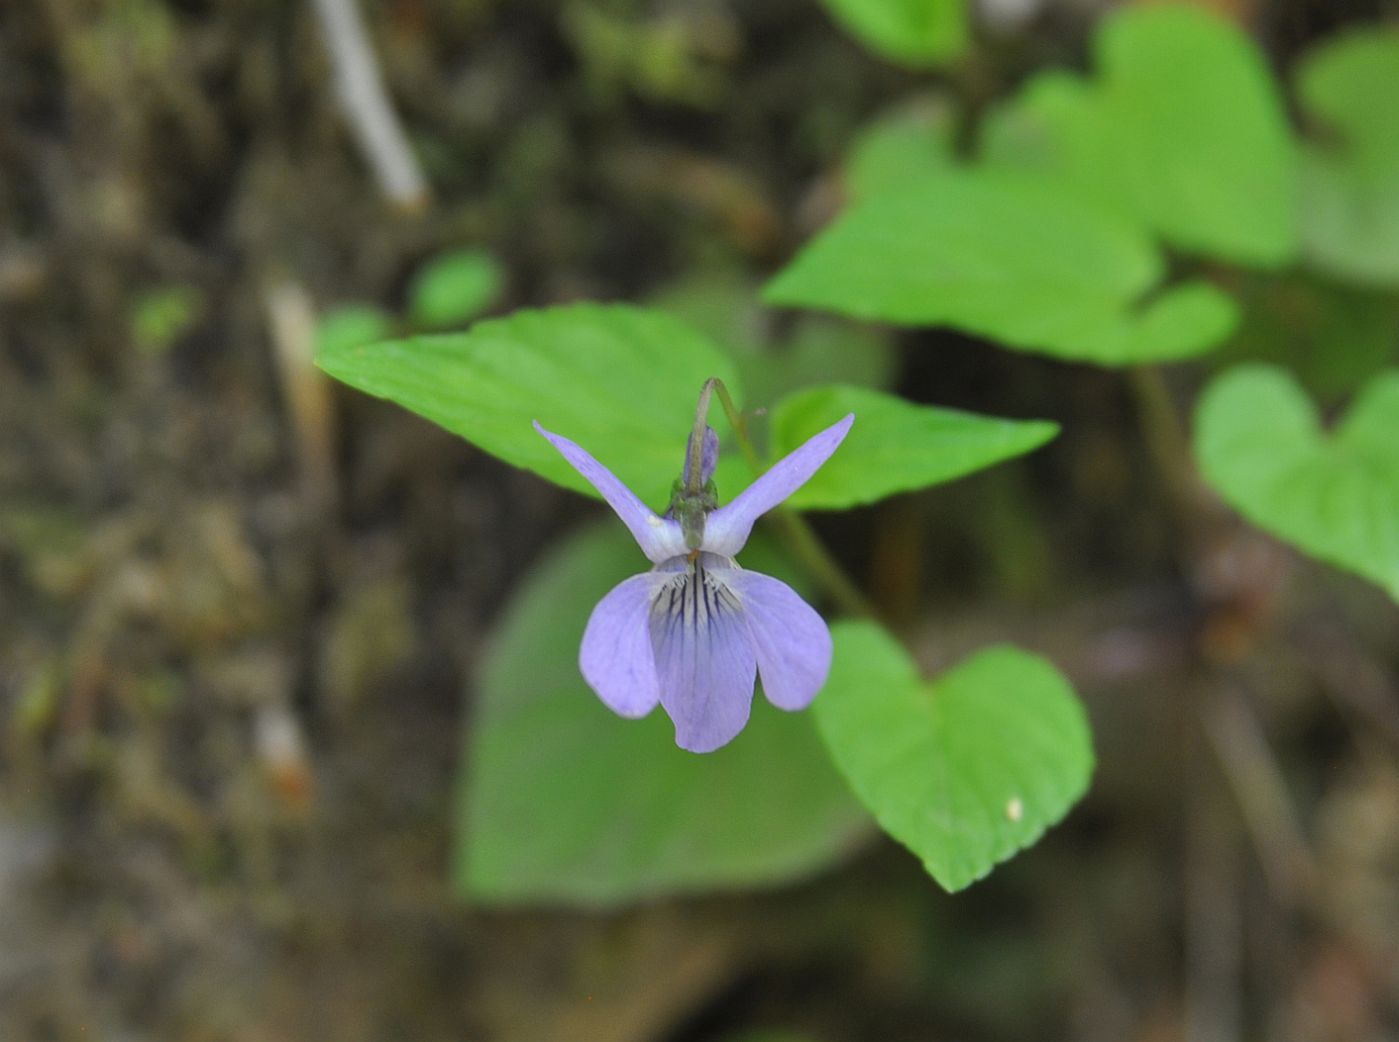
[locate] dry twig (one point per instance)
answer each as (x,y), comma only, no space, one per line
(367,107)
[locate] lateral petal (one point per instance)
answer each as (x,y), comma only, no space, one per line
(791,641)
(616,658)
(659,538)
(727,529)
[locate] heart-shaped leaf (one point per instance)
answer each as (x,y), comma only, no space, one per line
(895,446)
(1350,173)
(1184,128)
(1261,446)
(1011,257)
(620,381)
(964,770)
(901,146)
(563,801)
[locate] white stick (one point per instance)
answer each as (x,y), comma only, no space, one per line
(367,107)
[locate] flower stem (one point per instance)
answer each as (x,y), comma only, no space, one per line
(1168,444)
(738,421)
(806,546)
(802,541)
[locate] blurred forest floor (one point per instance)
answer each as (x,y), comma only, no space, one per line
(239,608)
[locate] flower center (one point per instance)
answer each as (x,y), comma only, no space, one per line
(692,596)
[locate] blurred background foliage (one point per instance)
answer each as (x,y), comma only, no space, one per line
(241,611)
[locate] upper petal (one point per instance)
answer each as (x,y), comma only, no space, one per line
(658,537)
(616,658)
(791,641)
(704,659)
(727,529)
(709,456)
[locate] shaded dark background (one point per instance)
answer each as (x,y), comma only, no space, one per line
(239,608)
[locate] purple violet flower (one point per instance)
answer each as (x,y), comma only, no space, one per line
(694,631)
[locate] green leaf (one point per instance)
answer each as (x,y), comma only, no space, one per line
(454,288)
(1009,257)
(966,770)
(1184,129)
(1350,171)
(1261,446)
(902,146)
(563,801)
(349,327)
(620,381)
(894,446)
(161,316)
(913,32)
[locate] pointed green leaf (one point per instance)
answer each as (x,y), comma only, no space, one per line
(1184,129)
(620,381)
(894,446)
(965,770)
(1350,86)
(1261,446)
(1009,257)
(564,802)
(914,32)
(454,288)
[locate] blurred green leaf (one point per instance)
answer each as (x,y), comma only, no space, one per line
(1009,257)
(894,446)
(620,381)
(818,349)
(162,316)
(663,53)
(1261,446)
(1184,128)
(564,801)
(454,288)
(1350,87)
(349,327)
(965,770)
(913,32)
(901,146)
(722,303)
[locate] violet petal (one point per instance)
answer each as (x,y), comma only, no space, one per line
(616,657)
(791,641)
(704,659)
(709,456)
(659,538)
(727,529)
